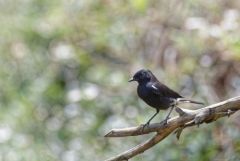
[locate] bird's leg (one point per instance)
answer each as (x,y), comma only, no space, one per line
(167,117)
(148,122)
(152,117)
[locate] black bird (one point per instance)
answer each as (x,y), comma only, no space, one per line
(156,94)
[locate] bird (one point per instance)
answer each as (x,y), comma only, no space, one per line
(156,94)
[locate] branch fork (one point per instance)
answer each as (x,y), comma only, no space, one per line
(177,124)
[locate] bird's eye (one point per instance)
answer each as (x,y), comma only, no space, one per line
(143,75)
(148,76)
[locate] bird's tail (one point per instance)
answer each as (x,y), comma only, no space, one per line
(184,100)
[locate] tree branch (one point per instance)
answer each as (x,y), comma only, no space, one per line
(185,119)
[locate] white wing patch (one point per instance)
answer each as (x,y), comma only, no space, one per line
(154,87)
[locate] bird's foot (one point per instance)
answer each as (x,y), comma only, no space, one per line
(165,121)
(145,125)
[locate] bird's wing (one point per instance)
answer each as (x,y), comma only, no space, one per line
(162,90)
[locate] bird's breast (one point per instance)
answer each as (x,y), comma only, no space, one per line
(143,91)
(147,95)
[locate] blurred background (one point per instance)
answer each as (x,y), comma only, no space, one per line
(64,67)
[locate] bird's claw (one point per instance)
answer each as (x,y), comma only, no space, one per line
(165,121)
(144,125)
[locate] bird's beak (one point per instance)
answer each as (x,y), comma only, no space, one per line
(130,80)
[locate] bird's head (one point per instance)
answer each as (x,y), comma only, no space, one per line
(141,76)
